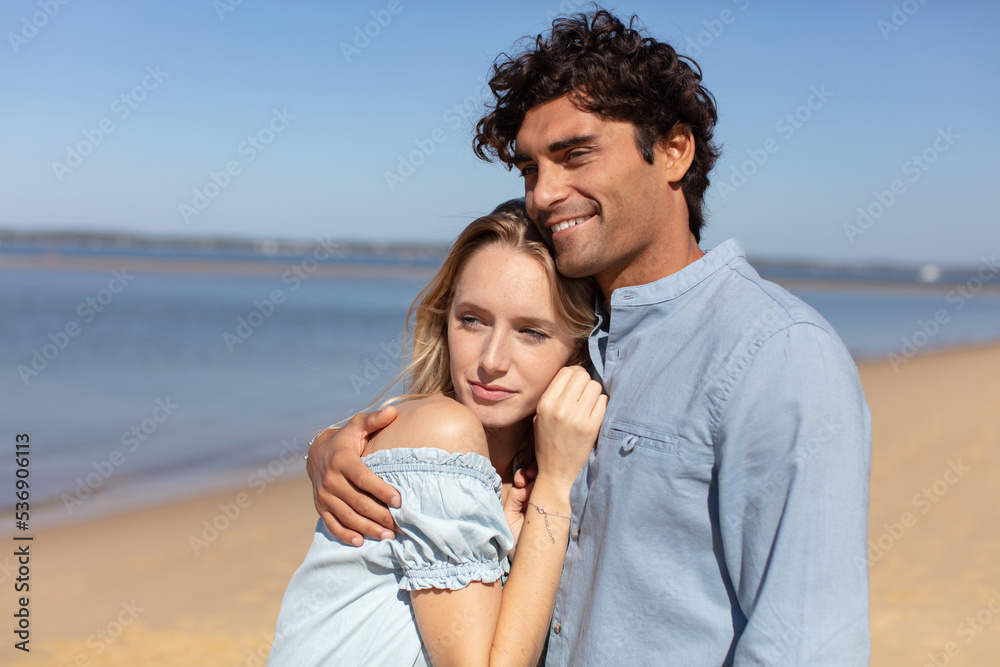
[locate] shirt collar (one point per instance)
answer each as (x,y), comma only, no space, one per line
(676,284)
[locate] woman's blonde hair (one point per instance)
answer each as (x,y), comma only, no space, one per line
(428,370)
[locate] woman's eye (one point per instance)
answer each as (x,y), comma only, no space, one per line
(468,319)
(535,333)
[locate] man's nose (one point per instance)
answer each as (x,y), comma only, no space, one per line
(549,188)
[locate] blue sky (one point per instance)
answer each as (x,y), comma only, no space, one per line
(116,112)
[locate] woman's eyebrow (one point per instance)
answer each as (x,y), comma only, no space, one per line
(467,304)
(539,322)
(528,320)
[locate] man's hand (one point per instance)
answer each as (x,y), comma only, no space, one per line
(349,497)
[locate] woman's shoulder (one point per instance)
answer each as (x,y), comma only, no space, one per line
(433,421)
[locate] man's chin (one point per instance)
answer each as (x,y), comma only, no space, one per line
(573,267)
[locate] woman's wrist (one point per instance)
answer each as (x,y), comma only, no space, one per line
(549,509)
(551,494)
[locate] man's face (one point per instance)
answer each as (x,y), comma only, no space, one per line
(589,190)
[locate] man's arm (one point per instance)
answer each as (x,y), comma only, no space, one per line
(793,451)
(349,497)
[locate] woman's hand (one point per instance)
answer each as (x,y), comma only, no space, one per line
(567,422)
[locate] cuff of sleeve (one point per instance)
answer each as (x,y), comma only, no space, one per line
(451,577)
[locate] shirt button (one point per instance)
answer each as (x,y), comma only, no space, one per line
(576,534)
(557,628)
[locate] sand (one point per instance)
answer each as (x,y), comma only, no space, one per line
(130,589)
(935,509)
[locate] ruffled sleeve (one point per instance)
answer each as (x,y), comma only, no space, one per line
(452,529)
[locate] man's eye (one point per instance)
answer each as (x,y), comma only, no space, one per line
(575,154)
(527,171)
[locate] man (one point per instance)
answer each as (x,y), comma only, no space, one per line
(722,518)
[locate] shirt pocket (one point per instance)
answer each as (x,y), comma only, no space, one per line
(630,436)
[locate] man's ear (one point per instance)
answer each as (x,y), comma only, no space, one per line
(677,152)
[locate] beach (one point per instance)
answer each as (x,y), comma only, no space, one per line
(199,582)
(934,545)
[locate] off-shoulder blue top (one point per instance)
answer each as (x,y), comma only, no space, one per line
(350,605)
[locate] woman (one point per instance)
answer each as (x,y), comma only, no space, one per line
(496,336)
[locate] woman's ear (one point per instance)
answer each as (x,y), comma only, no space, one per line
(581,356)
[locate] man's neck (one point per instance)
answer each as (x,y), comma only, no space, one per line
(650,267)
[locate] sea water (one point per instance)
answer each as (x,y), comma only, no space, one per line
(142,387)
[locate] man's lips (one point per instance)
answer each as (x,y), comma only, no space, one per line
(490,392)
(562,224)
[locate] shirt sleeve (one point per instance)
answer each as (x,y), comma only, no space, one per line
(794,458)
(452,530)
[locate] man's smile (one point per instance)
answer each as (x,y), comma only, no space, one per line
(566,224)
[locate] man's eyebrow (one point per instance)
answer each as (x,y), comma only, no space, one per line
(569,143)
(518,158)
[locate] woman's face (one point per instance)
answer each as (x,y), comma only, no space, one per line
(504,336)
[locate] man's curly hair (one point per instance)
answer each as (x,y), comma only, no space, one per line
(618,74)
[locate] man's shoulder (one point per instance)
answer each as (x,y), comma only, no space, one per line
(759,307)
(738,314)
(433,421)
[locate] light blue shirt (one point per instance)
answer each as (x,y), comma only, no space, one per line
(722,519)
(351,606)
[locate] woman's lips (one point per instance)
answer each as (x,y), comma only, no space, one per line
(490,392)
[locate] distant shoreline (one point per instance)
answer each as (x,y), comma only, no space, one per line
(113,243)
(420,263)
(248,266)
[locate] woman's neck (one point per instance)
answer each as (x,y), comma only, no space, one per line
(505,444)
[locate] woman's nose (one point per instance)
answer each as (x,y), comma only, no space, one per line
(495,358)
